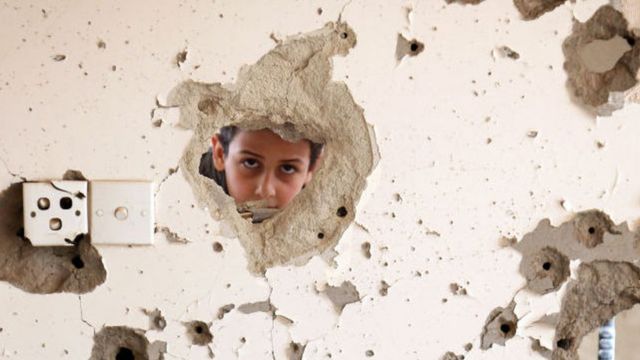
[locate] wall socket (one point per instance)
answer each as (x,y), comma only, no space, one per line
(112,212)
(55,212)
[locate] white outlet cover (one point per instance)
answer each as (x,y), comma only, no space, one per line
(121,212)
(54,211)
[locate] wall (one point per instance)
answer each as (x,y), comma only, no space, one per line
(475,148)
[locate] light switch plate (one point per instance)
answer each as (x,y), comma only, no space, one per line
(54,211)
(121,212)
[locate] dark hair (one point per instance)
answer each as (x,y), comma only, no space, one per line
(227,133)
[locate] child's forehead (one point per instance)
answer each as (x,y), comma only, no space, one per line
(267,141)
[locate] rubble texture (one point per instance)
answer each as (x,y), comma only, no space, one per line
(607,280)
(594,89)
(290,91)
(533,9)
(121,342)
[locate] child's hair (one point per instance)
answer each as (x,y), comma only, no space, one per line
(227,133)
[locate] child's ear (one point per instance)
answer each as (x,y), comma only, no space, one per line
(217,153)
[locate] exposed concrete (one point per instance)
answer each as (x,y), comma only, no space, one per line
(43,270)
(343,295)
(607,281)
(290,91)
(501,325)
(199,333)
(533,9)
(601,92)
(121,342)
(603,289)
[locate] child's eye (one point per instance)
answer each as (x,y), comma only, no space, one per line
(288,169)
(250,163)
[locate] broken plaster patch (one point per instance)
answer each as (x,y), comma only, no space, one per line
(47,269)
(603,92)
(290,91)
(121,342)
(607,281)
(342,295)
(405,47)
(533,9)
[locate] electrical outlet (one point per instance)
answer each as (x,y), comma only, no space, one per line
(121,212)
(55,212)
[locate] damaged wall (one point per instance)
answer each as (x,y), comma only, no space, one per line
(461,242)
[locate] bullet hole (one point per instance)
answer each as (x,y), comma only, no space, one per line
(369,353)
(125,354)
(342,211)
(66,203)
(343,35)
(59,57)
(217,247)
(199,333)
(545,270)
(590,227)
(500,326)
(77,262)
(406,47)
(33,214)
(101,44)
(319,11)
(320,235)
(55,224)
(564,344)
(366,249)
(78,213)
(43,203)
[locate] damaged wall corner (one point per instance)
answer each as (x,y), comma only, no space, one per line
(290,91)
(533,9)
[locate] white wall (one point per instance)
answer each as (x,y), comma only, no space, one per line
(432,131)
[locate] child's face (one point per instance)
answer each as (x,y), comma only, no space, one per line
(260,165)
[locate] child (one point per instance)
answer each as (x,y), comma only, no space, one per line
(259,165)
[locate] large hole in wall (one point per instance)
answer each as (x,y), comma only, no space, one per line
(288,92)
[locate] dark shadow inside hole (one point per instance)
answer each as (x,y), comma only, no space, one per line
(259,169)
(198,329)
(125,354)
(344,35)
(591,230)
(414,46)
(320,235)
(546,266)
(564,344)
(77,262)
(630,40)
(66,203)
(342,211)
(505,328)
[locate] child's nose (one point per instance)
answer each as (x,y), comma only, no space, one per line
(266,187)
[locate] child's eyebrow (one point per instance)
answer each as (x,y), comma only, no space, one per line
(247,152)
(296,160)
